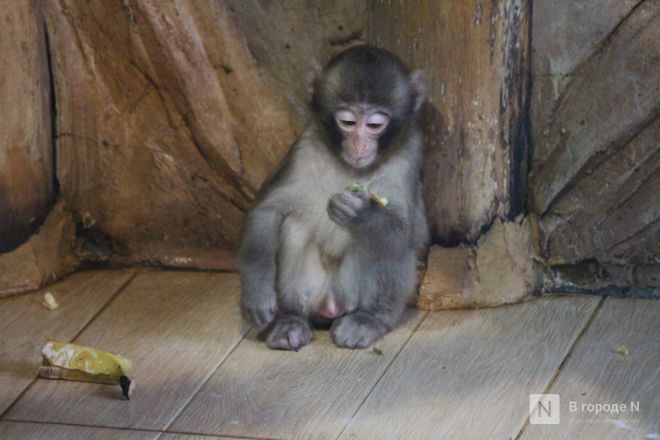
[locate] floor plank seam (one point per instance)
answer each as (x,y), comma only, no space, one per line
(233,436)
(105,306)
(553,379)
(394,358)
(82,329)
(206,379)
(82,425)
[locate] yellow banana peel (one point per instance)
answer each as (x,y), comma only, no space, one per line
(63,360)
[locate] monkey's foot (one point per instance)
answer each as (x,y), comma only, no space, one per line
(259,313)
(289,333)
(357,330)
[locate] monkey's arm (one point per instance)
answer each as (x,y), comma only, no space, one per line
(379,229)
(257,265)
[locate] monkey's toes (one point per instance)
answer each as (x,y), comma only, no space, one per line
(259,316)
(289,333)
(358,330)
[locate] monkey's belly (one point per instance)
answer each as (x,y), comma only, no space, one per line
(309,263)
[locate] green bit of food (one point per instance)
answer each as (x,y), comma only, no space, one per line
(354,187)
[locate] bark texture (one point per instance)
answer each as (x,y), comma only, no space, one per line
(498,269)
(164,127)
(45,257)
(168,116)
(26,152)
(595,131)
(475,55)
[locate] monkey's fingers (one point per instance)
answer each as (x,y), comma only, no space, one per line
(362,196)
(340,210)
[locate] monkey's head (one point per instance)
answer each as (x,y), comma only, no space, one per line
(365,99)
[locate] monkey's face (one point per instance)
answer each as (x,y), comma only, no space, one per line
(360,129)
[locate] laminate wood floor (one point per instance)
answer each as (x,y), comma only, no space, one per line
(202,373)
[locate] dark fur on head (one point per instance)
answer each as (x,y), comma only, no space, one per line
(365,74)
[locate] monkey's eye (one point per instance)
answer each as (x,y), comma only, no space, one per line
(346,119)
(377,122)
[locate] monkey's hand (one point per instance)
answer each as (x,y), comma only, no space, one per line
(258,307)
(348,205)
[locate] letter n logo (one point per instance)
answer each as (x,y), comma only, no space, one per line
(544,409)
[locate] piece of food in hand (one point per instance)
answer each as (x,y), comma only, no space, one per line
(380,201)
(50,302)
(355,187)
(62,360)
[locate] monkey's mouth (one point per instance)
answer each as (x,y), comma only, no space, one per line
(359,162)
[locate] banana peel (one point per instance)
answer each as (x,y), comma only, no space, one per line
(62,360)
(378,200)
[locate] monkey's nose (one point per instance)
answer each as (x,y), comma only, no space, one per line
(361,150)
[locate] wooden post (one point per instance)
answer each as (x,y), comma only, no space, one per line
(476,57)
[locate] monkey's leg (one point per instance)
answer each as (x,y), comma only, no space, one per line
(258,266)
(384,288)
(301,282)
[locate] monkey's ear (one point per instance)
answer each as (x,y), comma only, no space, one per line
(417,81)
(314,75)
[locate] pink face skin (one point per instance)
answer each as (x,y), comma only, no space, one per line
(361,129)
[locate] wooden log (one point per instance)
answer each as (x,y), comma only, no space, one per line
(596,121)
(573,226)
(565,33)
(46,256)
(611,97)
(498,269)
(475,55)
(26,159)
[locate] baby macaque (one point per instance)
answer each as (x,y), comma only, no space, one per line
(318,246)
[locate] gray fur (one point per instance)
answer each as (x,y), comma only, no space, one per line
(308,242)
